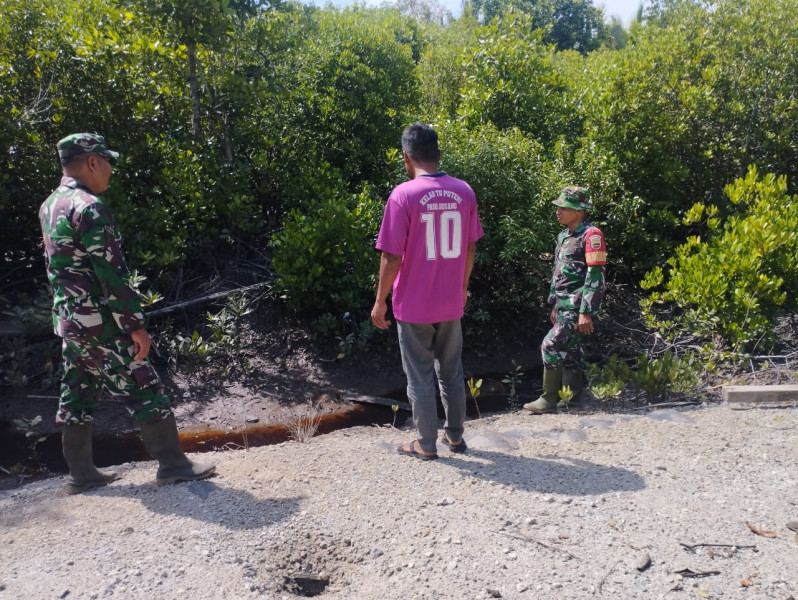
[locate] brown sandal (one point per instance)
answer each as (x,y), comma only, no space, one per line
(409,449)
(455,448)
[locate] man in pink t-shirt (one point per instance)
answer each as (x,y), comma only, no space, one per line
(428,240)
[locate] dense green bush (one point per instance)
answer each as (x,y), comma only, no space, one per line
(741,276)
(350,86)
(440,70)
(325,256)
(658,377)
(695,97)
(230,116)
(514,186)
(567,24)
(510,81)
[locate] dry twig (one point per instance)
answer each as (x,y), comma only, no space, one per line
(692,547)
(526,538)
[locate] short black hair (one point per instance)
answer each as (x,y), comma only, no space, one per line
(420,141)
(72,161)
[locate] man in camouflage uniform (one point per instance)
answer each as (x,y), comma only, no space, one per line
(577,289)
(98,315)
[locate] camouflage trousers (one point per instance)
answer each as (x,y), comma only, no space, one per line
(562,346)
(96,364)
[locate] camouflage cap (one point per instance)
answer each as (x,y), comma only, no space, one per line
(573,197)
(84,143)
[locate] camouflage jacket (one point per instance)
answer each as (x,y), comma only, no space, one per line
(92,296)
(577,282)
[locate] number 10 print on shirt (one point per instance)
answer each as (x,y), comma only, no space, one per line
(444,239)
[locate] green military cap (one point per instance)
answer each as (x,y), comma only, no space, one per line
(573,197)
(84,143)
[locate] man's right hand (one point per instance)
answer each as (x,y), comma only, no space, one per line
(141,343)
(378,313)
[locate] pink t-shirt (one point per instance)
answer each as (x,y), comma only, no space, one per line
(429,221)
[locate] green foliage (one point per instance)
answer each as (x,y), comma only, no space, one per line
(568,24)
(324,325)
(352,83)
(696,96)
(666,375)
(356,336)
(33,438)
(514,187)
(270,125)
(475,389)
(609,380)
(659,377)
(240,120)
(510,81)
(221,338)
(147,297)
(737,280)
(23,363)
(513,379)
(325,257)
(608,390)
(440,75)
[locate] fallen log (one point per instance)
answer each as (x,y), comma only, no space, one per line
(215,296)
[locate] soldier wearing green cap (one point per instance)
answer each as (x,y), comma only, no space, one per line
(575,295)
(98,316)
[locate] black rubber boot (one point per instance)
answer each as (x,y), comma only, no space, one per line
(574,379)
(163,444)
(547,403)
(76,444)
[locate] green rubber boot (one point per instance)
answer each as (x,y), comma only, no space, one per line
(547,403)
(76,445)
(163,443)
(574,379)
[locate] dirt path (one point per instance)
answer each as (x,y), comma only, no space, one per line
(560,506)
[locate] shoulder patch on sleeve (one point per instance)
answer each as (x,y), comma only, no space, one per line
(595,249)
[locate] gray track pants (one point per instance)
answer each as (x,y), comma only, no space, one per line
(431,352)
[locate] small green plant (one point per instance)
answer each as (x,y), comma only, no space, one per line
(194,345)
(225,325)
(221,338)
(605,391)
(345,345)
(34,439)
(476,323)
(480,315)
(146,297)
(566,395)
(356,336)
(609,380)
(475,389)
(668,374)
(513,379)
(324,325)
(395,409)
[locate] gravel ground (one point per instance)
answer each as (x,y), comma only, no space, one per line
(558,506)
